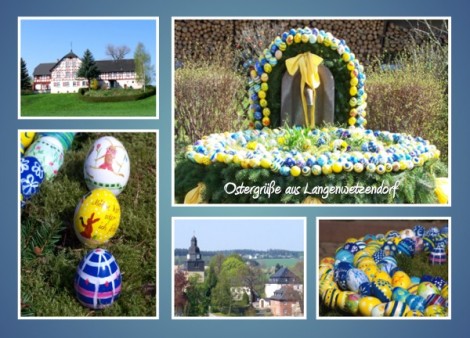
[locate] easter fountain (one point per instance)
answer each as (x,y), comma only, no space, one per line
(308,129)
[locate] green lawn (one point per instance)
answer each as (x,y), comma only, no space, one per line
(50,250)
(63,105)
(270,262)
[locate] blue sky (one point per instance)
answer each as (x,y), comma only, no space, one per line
(227,234)
(47,40)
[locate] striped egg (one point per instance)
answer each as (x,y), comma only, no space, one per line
(98,279)
(395,309)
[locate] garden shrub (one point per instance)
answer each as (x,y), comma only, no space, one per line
(412,96)
(208,98)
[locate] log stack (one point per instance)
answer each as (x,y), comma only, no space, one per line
(366,38)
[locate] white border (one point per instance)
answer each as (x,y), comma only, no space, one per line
(317,246)
(157,67)
(305,298)
(157,230)
(449,138)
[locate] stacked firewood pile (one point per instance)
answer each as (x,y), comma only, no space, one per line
(368,39)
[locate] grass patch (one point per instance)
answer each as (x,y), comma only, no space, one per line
(65,105)
(271,262)
(50,251)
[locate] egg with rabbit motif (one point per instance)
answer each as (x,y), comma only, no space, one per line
(107,165)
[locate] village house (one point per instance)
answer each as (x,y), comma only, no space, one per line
(61,76)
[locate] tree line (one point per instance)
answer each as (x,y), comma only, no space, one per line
(221,292)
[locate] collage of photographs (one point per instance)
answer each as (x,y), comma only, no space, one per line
(301,113)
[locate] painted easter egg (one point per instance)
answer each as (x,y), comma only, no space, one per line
(107,165)
(49,152)
(414,313)
(325,285)
(341,272)
(365,289)
(355,278)
(352,303)
(439,282)
(98,280)
(371,271)
(26,138)
(330,297)
(395,309)
(425,289)
(407,233)
(378,310)
(382,290)
(435,300)
(401,279)
(406,247)
(389,248)
(445,291)
(97,217)
(31,176)
(65,138)
(366,304)
(438,256)
(365,262)
(435,311)
(344,255)
(415,302)
(341,300)
(419,230)
(400,294)
(359,256)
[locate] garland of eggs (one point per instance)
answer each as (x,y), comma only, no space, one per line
(295,152)
(42,155)
(364,279)
(306,38)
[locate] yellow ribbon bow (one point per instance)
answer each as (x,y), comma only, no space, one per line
(195,196)
(308,64)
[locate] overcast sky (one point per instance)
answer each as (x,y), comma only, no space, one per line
(47,40)
(253,233)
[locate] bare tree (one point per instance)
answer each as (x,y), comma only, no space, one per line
(117,52)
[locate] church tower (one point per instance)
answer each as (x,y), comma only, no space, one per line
(194,264)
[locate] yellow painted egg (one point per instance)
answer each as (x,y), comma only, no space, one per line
(97,217)
(371,272)
(330,298)
(323,286)
(435,311)
(414,313)
(365,262)
(328,275)
(378,310)
(342,299)
(366,304)
(401,279)
(360,255)
(26,138)
(329,260)
(382,275)
(445,292)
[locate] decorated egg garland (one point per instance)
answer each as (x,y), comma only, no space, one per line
(351,97)
(295,152)
(381,289)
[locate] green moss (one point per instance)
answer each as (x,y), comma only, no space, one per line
(50,251)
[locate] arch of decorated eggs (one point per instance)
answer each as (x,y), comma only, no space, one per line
(265,77)
(364,278)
